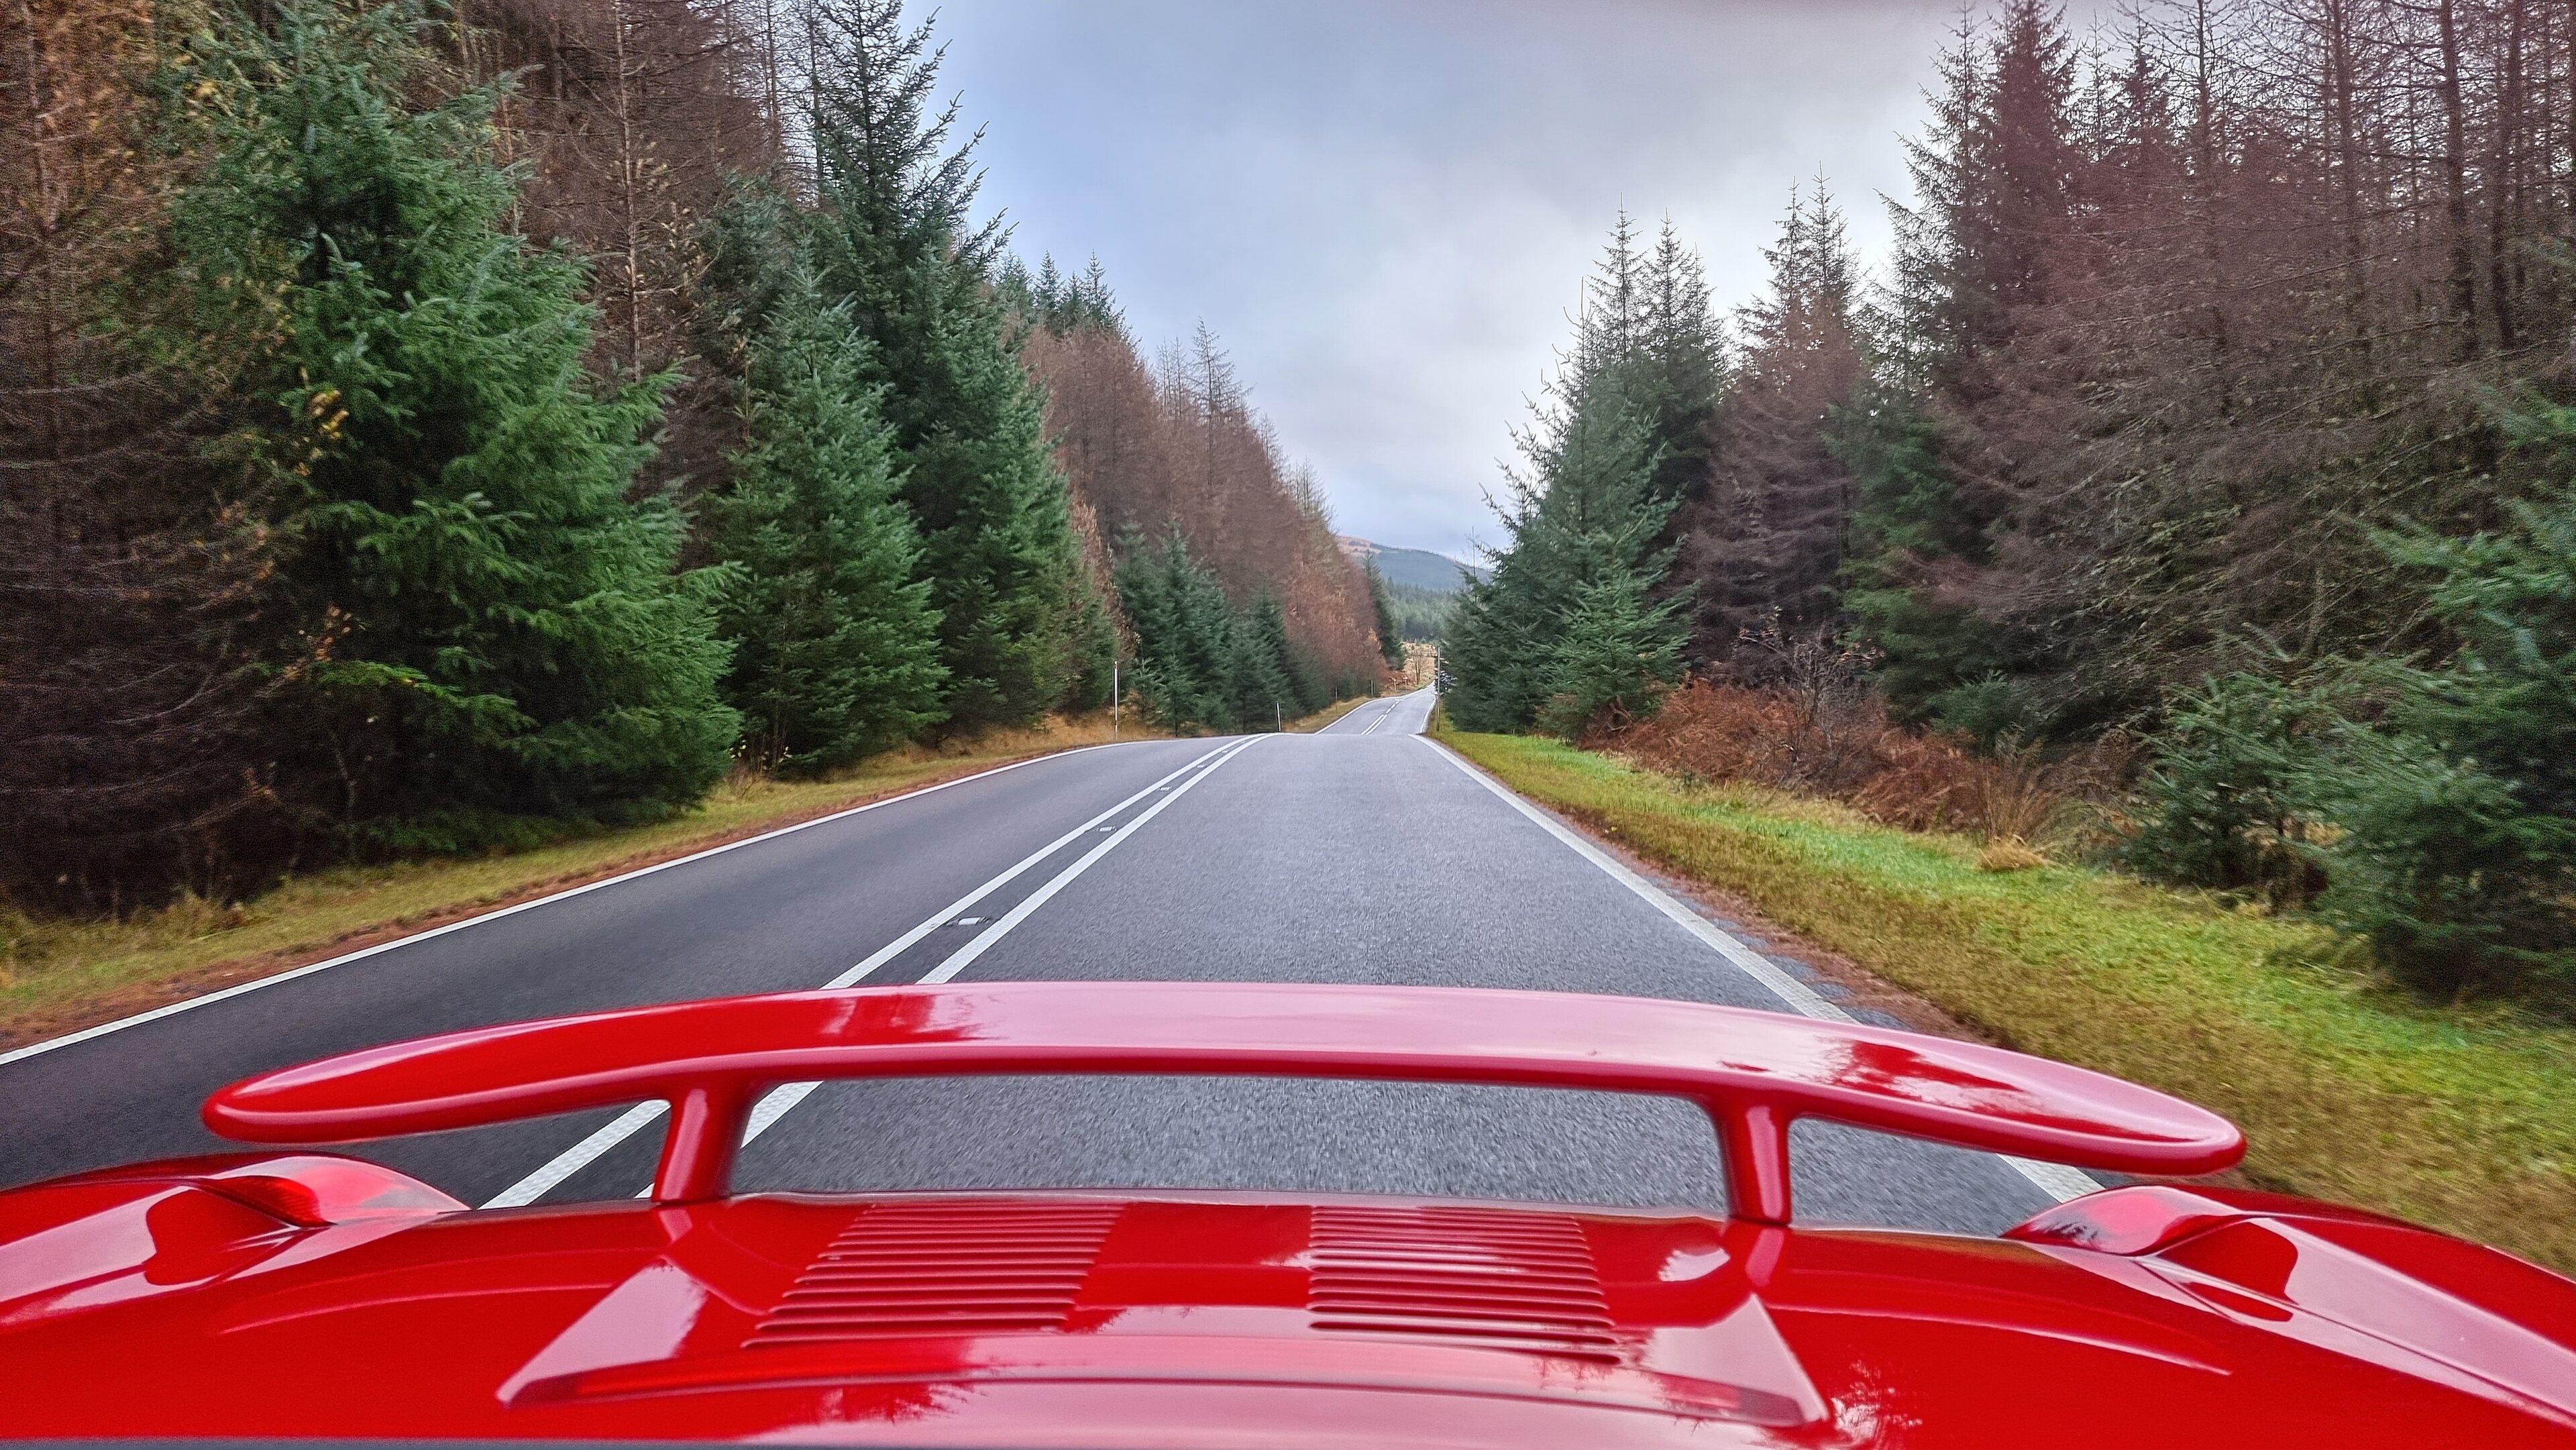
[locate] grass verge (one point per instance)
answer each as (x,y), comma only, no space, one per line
(2465,1120)
(59,975)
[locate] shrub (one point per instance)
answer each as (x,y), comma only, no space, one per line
(2457,806)
(1844,747)
(2220,796)
(1920,782)
(2462,888)
(1991,711)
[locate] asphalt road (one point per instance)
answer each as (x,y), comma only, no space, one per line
(1360,854)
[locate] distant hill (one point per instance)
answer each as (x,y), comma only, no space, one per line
(1410,568)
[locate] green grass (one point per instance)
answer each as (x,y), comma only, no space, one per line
(2465,1120)
(59,974)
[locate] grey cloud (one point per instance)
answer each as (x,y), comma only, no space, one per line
(1385,208)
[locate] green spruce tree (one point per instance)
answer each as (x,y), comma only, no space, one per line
(494,629)
(1574,626)
(1187,645)
(2456,804)
(893,240)
(1390,635)
(1268,690)
(1937,660)
(836,644)
(1678,366)
(1201,663)
(1620,652)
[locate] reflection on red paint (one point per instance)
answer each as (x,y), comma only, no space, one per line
(305,1294)
(1198,1319)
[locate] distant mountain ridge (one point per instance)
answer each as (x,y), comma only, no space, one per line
(1413,568)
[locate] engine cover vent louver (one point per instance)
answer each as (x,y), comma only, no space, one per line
(943,1268)
(1521,1281)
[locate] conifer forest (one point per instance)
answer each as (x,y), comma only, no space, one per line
(2204,451)
(426,428)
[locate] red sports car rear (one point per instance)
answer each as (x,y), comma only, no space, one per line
(302,1295)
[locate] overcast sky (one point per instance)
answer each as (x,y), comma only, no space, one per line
(1385,207)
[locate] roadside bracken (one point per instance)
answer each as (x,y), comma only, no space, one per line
(1835,740)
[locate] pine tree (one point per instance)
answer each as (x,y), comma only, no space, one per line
(1621,650)
(1611,648)
(2456,853)
(1995,186)
(892,240)
(1678,366)
(1566,629)
(1646,333)
(494,629)
(1980,256)
(1144,449)
(1490,655)
(1187,645)
(1094,636)
(1390,637)
(1764,541)
(1061,304)
(1264,669)
(836,645)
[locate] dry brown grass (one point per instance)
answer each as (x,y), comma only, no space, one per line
(2008,853)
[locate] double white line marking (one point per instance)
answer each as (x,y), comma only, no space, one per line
(779,1100)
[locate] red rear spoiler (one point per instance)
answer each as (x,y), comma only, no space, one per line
(1754,1072)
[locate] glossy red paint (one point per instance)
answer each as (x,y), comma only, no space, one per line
(168,1299)
(1179,1319)
(2360,1283)
(1755,1072)
(305,1189)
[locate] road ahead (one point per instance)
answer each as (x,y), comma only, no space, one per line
(1361,854)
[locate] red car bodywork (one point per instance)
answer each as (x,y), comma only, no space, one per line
(302,1294)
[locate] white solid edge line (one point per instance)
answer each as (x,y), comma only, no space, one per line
(2054,1179)
(289,975)
(580,1155)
